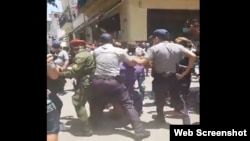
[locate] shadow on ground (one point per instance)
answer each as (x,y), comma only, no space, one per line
(155,125)
(109,126)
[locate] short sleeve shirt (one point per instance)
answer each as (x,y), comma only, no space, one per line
(107,59)
(61,58)
(165,56)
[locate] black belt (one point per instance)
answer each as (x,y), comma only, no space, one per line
(167,74)
(104,77)
(163,75)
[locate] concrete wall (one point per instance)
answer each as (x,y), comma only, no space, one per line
(169,4)
(54,25)
(134,15)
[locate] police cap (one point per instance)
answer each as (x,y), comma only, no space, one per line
(56,44)
(160,33)
(105,37)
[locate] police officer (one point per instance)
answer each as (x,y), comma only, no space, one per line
(165,57)
(82,69)
(108,86)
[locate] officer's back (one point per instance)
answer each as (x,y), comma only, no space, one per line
(89,62)
(166,56)
(108,62)
(108,86)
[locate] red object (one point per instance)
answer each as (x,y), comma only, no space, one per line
(77,42)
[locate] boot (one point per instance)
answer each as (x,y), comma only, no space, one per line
(158,118)
(95,123)
(86,130)
(140,132)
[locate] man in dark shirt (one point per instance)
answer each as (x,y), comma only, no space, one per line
(185,82)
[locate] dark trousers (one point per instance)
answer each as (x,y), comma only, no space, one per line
(110,90)
(185,85)
(140,77)
(162,87)
(138,104)
(53,120)
(136,97)
(62,84)
(57,101)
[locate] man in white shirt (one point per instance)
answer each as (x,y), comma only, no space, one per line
(61,56)
(108,86)
(61,59)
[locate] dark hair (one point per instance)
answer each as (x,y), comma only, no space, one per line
(191,22)
(194,21)
(131,50)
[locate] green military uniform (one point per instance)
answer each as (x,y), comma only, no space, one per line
(83,67)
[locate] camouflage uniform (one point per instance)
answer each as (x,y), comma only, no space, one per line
(83,67)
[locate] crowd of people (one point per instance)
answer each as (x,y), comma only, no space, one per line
(106,74)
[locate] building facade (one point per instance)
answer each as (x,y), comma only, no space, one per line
(133,20)
(53,30)
(68,16)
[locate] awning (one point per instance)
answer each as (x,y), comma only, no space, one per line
(66,35)
(102,15)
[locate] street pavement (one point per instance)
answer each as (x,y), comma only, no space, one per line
(159,132)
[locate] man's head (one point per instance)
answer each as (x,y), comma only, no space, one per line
(195,24)
(56,46)
(159,35)
(131,47)
(77,44)
(106,38)
(184,41)
(192,29)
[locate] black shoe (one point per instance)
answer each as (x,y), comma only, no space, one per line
(96,124)
(142,134)
(87,132)
(160,119)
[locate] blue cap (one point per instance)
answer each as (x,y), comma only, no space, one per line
(56,43)
(106,36)
(160,33)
